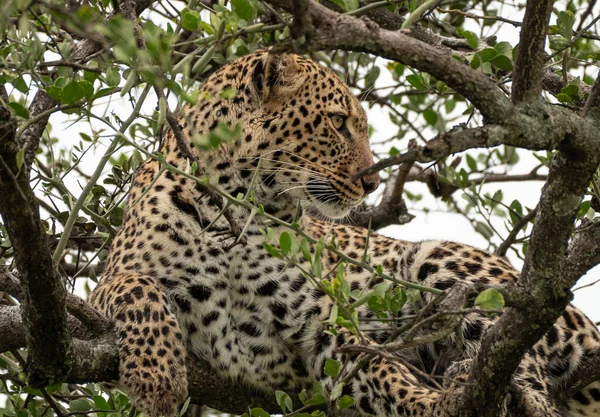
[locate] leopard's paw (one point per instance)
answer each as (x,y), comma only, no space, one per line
(157,389)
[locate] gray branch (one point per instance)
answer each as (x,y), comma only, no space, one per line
(528,71)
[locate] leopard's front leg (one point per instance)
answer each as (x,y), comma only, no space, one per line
(151,346)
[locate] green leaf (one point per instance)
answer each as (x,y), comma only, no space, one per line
(284,401)
(558,43)
(19,84)
(112,77)
(415,81)
(87,87)
(271,250)
(19,109)
(20,158)
(583,209)
(55,92)
(487,54)
(475,61)
(564,98)
(244,9)
(502,62)
(471,38)
(259,412)
(336,391)
(100,403)
(450,105)
(471,163)
(396,301)
(285,242)
(305,250)
(347,5)
(316,399)
(371,77)
(72,93)
(490,299)
(80,405)
(345,402)
(565,23)
(333,315)
(377,303)
(517,210)
(430,116)
(332,368)
(572,89)
(90,76)
(190,19)
(504,48)
(484,230)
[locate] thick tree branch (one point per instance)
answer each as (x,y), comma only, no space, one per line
(568,179)
(546,130)
(43,300)
(528,71)
(96,359)
(30,138)
(392,21)
(322,32)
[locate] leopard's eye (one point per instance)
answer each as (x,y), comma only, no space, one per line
(338,121)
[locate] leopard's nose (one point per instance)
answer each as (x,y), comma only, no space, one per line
(370,183)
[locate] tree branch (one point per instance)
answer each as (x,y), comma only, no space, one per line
(512,236)
(553,127)
(593,102)
(43,300)
(392,21)
(583,252)
(528,71)
(391,209)
(96,359)
(42,102)
(493,367)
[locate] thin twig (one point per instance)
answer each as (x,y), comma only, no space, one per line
(512,236)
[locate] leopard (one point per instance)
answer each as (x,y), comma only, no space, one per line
(182,280)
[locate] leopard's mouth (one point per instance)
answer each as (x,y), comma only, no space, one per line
(328,200)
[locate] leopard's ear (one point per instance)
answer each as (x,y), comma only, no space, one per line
(277,76)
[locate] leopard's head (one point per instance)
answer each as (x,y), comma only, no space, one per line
(304,134)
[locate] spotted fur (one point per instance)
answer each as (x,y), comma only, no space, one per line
(175,275)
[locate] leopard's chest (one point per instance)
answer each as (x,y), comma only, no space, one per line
(241,309)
